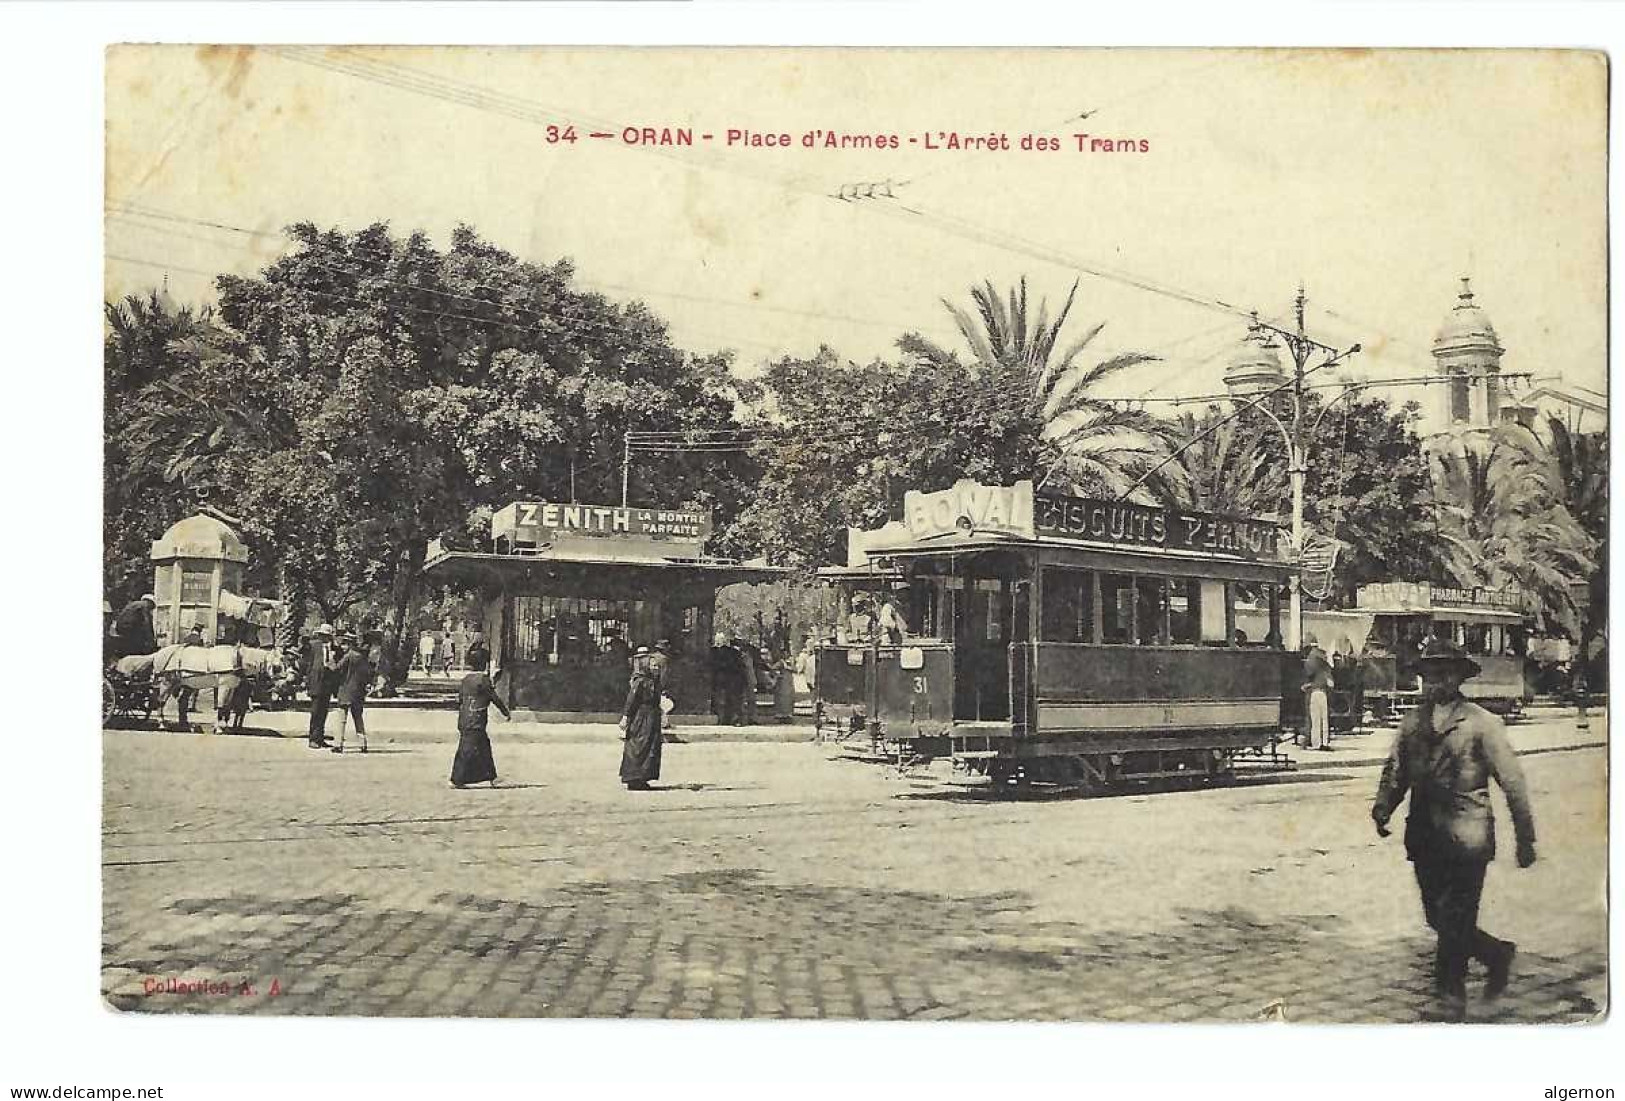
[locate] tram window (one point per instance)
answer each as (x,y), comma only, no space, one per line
(1515,643)
(1150,608)
(1211,615)
(1185,613)
(1116,605)
(1067,614)
(922,608)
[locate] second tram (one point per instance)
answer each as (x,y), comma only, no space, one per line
(1490,624)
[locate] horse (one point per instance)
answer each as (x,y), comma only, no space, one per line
(180,671)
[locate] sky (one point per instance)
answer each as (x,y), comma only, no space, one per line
(1377,179)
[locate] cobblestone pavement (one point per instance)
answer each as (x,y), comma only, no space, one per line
(774,881)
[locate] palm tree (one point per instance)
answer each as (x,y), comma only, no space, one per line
(1081,442)
(1580,467)
(1502,521)
(1230,468)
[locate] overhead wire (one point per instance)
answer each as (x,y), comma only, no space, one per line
(956,165)
(588,286)
(508,306)
(406,78)
(417,81)
(361,66)
(565,314)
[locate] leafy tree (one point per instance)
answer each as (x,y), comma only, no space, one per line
(367,393)
(1367,486)
(144,490)
(839,445)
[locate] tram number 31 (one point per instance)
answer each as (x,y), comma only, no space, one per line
(920,686)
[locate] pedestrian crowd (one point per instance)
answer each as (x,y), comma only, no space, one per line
(1444,757)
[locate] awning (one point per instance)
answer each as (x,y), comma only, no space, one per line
(250,609)
(565,573)
(1476,615)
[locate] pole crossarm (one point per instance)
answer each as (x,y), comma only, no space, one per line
(1295,380)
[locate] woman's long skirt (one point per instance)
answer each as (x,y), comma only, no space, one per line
(640,753)
(473,763)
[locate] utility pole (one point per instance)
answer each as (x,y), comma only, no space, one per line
(626,465)
(1298,470)
(1293,434)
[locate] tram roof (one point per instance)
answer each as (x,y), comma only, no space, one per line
(1090,552)
(1451,613)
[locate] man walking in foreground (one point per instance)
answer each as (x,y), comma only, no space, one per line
(1445,753)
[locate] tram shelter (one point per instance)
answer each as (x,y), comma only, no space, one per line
(568,591)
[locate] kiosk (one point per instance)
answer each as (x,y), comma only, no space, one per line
(569,590)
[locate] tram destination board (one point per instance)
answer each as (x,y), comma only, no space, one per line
(1128,524)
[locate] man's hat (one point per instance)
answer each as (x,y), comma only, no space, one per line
(325,629)
(664,646)
(1441,652)
(150,599)
(641,651)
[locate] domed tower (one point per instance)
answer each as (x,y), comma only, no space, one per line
(193,561)
(1254,368)
(1468,354)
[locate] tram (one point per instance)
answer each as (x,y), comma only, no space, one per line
(1060,639)
(1490,624)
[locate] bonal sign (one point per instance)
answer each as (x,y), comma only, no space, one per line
(970,507)
(533,522)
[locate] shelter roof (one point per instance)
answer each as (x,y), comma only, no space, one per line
(200,536)
(575,567)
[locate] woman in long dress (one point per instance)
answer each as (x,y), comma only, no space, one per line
(474,763)
(784,689)
(640,726)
